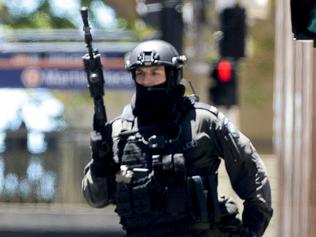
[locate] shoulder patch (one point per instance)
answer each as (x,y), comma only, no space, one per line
(212,109)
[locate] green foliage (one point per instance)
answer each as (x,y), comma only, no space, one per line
(43,15)
(40,17)
(142,30)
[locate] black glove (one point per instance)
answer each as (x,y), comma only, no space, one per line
(99,150)
(246,232)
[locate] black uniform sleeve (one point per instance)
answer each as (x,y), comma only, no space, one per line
(95,189)
(98,180)
(247,174)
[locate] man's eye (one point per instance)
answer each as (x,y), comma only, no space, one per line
(139,73)
(156,73)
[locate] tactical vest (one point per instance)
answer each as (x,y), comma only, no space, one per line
(154,189)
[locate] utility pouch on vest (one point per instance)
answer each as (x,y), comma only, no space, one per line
(197,193)
(134,180)
(123,203)
(133,195)
(173,168)
(141,195)
(174,176)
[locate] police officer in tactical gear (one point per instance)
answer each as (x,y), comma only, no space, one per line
(158,161)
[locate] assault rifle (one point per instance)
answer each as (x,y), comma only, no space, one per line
(93,68)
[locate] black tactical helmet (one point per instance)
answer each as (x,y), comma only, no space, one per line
(157,52)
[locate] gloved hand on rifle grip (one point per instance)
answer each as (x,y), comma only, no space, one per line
(99,150)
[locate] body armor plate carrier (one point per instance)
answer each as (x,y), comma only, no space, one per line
(152,187)
(154,191)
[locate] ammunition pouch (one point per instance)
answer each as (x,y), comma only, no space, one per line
(143,193)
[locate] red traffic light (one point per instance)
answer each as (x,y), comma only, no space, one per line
(223,89)
(225,70)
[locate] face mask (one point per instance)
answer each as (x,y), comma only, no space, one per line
(156,104)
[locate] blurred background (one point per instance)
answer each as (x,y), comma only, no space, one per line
(46,110)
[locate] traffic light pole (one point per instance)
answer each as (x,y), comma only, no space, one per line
(295,127)
(224,92)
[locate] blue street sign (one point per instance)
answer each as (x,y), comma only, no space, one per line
(55,67)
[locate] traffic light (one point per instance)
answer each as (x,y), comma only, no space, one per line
(233,26)
(303,16)
(172,26)
(224,83)
(166,17)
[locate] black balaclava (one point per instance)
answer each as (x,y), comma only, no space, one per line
(157,104)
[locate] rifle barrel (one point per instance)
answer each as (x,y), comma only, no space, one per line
(86,29)
(84,16)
